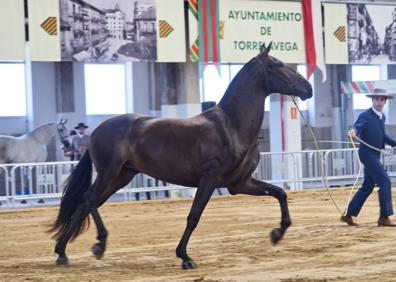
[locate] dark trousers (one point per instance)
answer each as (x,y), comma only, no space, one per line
(374,173)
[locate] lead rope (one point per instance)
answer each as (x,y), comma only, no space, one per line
(358,174)
(324,178)
(374,148)
(360,163)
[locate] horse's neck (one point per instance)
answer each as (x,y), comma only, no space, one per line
(243,101)
(44,133)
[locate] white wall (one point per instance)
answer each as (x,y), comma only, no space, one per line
(42,100)
(13,125)
(142,87)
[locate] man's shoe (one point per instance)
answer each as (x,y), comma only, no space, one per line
(348,220)
(385,221)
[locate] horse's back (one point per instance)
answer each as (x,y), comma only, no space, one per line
(168,149)
(21,150)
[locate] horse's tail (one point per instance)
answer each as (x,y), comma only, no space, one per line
(73,195)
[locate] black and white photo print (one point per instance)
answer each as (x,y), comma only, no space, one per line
(108,30)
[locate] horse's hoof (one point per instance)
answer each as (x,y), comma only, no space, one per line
(276,235)
(97,251)
(62,261)
(189,264)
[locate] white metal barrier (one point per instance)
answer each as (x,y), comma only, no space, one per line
(341,167)
(42,183)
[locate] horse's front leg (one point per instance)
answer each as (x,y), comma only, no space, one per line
(258,188)
(204,192)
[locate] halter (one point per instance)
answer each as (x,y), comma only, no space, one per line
(62,131)
(291,82)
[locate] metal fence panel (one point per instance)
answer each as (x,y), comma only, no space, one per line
(291,170)
(4,186)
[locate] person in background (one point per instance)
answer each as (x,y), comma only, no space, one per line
(370,128)
(67,146)
(80,141)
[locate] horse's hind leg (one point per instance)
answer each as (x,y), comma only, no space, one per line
(258,188)
(79,215)
(99,248)
(122,180)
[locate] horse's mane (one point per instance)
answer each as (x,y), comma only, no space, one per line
(248,71)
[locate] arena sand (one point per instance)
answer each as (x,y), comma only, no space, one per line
(231,243)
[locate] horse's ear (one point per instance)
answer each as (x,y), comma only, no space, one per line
(268,49)
(262,48)
(265,50)
(63,121)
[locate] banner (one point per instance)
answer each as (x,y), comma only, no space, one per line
(208,30)
(171,36)
(44,35)
(123,30)
(12,35)
(312,14)
(193,52)
(246,25)
(336,31)
(351,87)
(360,34)
(367,87)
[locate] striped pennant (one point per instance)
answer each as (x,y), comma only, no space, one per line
(50,26)
(193,55)
(339,33)
(165,28)
(208,30)
(351,87)
(193,7)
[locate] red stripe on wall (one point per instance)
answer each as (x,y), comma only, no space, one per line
(282,125)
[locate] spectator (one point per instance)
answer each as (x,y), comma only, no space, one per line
(80,141)
(67,146)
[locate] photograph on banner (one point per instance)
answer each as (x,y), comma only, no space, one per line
(108,30)
(371,34)
(246,25)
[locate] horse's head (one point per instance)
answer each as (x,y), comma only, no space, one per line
(62,131)
(281,78)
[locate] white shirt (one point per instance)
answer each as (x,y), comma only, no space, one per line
(378,113)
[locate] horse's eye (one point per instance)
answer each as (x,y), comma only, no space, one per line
(277,63)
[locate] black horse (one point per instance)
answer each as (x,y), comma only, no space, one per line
(217,148)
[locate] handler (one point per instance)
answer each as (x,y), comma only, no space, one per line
(370,127)
(80,141)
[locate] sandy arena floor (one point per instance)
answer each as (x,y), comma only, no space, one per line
(231,243)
